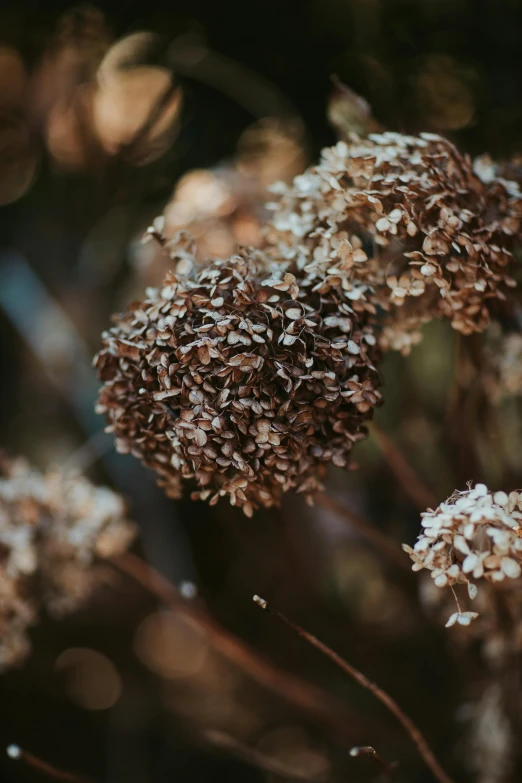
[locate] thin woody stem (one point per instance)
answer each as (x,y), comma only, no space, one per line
(375,537)
(253,757)
(16,753)
(414,733)
(412,485)
(388,767)
(308,698)
(456,599)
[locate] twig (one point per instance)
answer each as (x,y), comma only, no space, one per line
(16,753)
(85,455)
(150,579)
(415,734)
(388,767)
(412,485)
(308,698)
(254,757)
(257,95)
(379,540)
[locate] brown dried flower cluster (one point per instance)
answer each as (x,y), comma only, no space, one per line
(224,207)
(246,378)
(473,535)
(406,217)
(221,207)
(52,528)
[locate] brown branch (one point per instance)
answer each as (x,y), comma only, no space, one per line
(375,537)
(414,733)
(388,767)
(412,485)
(257,95)
(301,695)
(254,757)
(18,754)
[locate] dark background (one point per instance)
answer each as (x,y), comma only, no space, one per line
(449,66)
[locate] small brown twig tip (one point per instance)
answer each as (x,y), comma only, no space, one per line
(364,750)
(17,753)
(367,750)
(260,601)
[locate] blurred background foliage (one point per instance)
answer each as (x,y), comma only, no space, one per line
(103,109)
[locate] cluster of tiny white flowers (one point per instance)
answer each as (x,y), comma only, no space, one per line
(473,535)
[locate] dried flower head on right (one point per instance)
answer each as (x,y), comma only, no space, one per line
(408,217)
(473,535)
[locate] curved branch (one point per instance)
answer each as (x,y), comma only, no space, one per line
(375,537)
(408,478)
(301,695)
(415,734)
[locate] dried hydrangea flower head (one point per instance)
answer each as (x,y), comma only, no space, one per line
(473,535)
(407,217)
(52,528)
(224,207)
(240,377)
(221,208)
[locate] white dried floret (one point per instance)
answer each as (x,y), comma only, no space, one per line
(473,535)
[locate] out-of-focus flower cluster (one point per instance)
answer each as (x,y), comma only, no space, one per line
(496,640)
(224,207)
(490,741)
(474,535)
(89,98)
(52,529)
(247,378)
(504,378)
(408,225)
